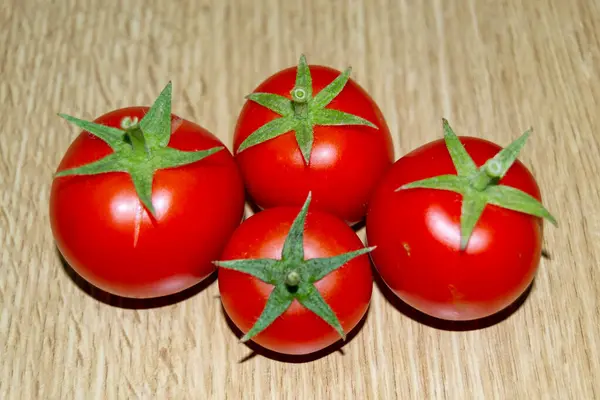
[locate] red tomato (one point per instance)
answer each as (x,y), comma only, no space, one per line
(346,161)
(417,234)
(347,290)
(110,239)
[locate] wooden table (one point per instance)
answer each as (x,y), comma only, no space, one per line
(493,68)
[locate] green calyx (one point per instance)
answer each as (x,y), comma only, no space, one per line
(293,277)
(480,186)
(302,112)
(139,148)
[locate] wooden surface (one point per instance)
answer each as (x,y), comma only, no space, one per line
(494,68)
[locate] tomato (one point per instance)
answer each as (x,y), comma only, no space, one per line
(157,237)
(312,128)
(295,282)
(457,232)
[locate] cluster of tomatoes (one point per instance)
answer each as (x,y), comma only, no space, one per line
(147,204)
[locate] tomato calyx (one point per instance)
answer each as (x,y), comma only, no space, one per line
(140,148)
(293,277)
(480,186)
(302,112)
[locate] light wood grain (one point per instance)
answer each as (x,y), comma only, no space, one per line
(493,68)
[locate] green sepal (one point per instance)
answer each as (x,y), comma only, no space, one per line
(140,149)
(261,268)
(304,138)
(318,268)
(312,299)
(277,103)
(330,117)
(169,157)
(293,246)
(302,114)
(111,136)
(268,131)
(464,164)
(517,200)
(331,91)
(303,77)
(481,186)
(110,163)
(156,124)
(305,273)
(508,155)
(452,183)
(279,300)
(142,182)
(473,204)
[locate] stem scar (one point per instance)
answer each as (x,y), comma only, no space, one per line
(299,95)
(292,279)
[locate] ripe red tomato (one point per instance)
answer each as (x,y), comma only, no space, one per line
(312,113)
(110,238)
(420,252)
(340,284)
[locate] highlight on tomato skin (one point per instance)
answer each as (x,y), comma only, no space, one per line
(295,284)
(142,209)
(457,225)
(312,128)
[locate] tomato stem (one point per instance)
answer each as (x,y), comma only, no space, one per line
(299,95)
(490,171)
(138,140)
(129,122)
(300,102)
(292,279)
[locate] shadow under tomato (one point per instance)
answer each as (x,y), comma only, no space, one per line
(132,303)
(441,324)
(293,359)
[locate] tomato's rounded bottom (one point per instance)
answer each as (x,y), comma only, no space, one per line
(171,285)
(309,347)
(298,349)
(298,332)
(461,310)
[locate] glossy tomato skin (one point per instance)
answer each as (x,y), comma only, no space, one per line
(298,331)
(108,238)
(417,235)
(346,162)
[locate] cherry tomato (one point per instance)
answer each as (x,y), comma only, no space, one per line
(311,128)
(272,295)
(424,254)
(110,237)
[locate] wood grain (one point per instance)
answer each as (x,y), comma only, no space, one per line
(493,68)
